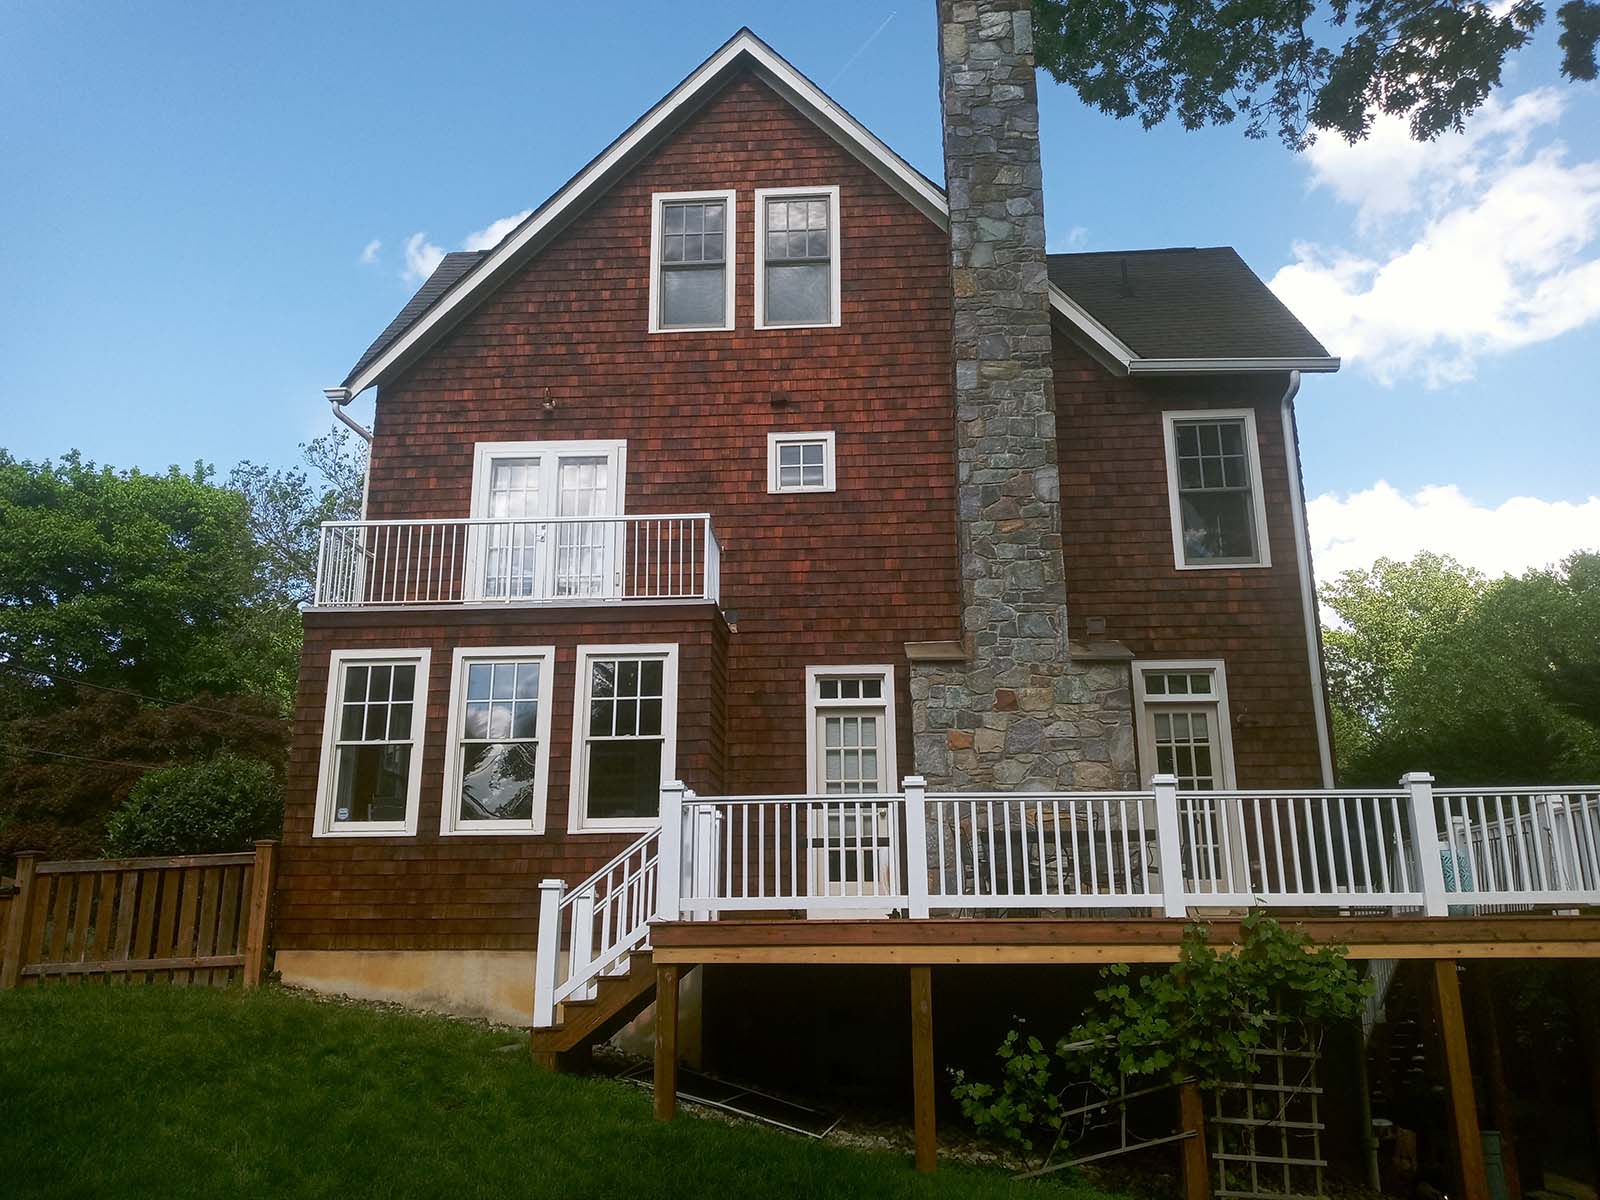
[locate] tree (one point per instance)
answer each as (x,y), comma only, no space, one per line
(1433,667)
(144,582)
(288,507)
(1300,68)
(63,772)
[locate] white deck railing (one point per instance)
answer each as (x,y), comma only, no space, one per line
(1403,849)
(559,560)
(1408,849)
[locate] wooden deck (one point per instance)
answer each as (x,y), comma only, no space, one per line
(980,940)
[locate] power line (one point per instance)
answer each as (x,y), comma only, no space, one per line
(104,762)
(15,668)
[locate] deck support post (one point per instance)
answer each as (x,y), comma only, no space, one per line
(666,1081)
(1473,1178)
(1581,980)
(1192,1118)
(922,1085)
(1494,1073)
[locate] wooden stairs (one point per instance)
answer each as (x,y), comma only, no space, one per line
(618,999)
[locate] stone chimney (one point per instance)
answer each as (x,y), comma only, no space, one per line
(1008,709)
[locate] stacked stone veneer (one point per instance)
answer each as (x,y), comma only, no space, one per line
(1016,712)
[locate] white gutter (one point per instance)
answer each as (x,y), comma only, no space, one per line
(1227,366)
(1308,595)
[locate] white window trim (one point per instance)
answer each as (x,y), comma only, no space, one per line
(484,455)
(731,271)
(831,192)
(776,440)
(578,820)
(323,825)
(449,825)
(815,705)
(1258,496)
(1144,725)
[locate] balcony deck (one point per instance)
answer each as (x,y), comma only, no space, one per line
(665,558)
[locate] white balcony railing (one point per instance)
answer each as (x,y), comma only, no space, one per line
(557,560)
(1407,849)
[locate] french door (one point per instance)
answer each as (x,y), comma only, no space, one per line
(852,840)
(532,548)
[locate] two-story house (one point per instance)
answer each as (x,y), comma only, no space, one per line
(946,574)
(687,479)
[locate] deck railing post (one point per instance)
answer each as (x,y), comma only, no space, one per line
(547,953)
(916,788)
(1169,845)
(16,930)
(706,878)
(261,882)
(669,853)
(1425,841)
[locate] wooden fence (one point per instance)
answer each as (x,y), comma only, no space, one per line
(193,919)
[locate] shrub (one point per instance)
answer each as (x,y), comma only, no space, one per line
(205,808)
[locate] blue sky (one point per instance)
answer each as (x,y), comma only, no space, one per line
(190,193)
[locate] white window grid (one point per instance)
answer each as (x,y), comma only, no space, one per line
(1198,464)
(661,203)
(390,711)
(824,218)
(523,719)
(801,462)
(620,713)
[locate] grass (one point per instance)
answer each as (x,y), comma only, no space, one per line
(172,1092)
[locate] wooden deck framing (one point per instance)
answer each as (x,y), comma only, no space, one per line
(978,940)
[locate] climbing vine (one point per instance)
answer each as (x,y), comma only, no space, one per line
(1202,1018)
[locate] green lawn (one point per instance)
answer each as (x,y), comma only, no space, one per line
(147,1091)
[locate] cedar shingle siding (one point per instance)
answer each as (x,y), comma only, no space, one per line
(840,577)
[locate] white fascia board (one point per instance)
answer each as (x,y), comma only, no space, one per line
(1228,366)
(921,192)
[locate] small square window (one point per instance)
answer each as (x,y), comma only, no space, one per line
(800,462)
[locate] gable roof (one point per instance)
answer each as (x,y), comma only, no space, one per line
(446,298)
(1186,303)
(451,268)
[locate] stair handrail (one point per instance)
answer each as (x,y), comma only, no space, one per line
(572,910)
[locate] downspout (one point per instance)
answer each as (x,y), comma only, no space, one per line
(1308,592)
(339,397)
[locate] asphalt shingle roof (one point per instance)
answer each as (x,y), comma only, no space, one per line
(1180,303)
(1184,303)
(451,268)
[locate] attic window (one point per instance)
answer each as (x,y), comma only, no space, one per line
(692,261)
(797,257)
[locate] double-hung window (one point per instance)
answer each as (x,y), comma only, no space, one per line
(1219,516)
(797,257)
(372,743)
(800,462)
(497,759)
(624,735)
(692,261)
(1183,730)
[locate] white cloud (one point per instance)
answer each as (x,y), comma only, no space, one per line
(369,252)
(423,257)
(489,237)
(1353,531)
(1477,244)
